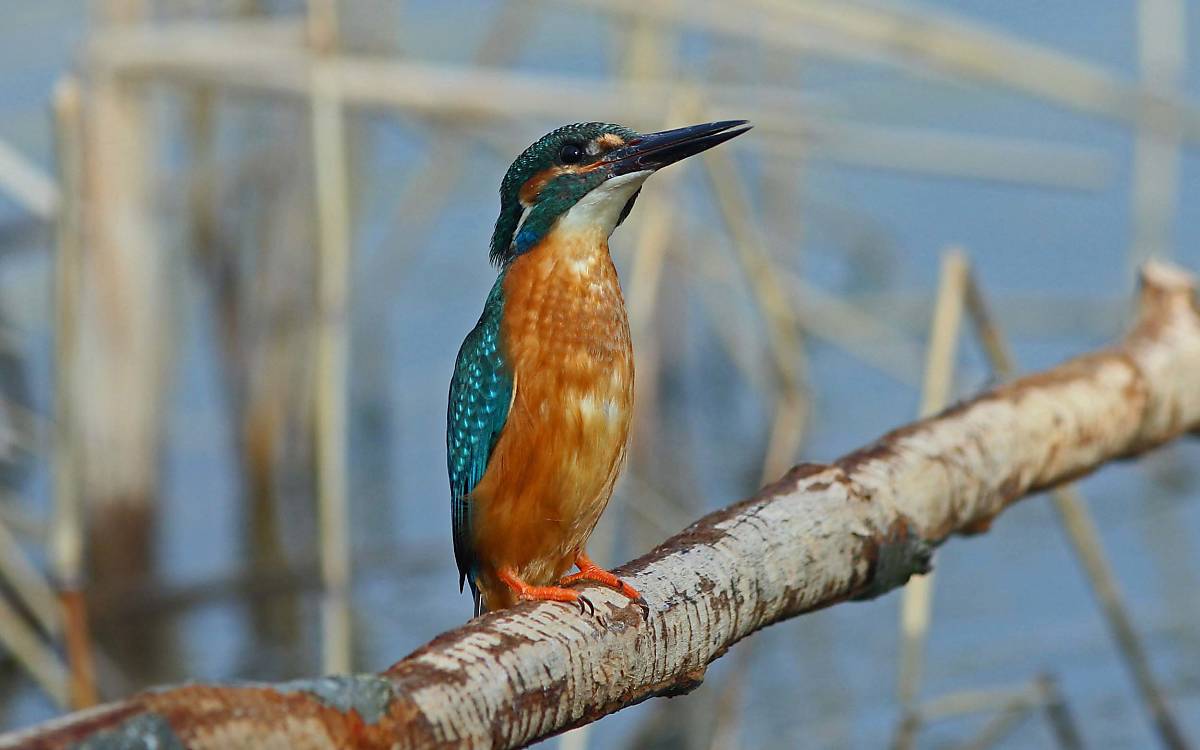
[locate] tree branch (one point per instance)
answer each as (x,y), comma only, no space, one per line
(823,534)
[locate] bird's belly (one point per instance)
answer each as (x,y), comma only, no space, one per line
(562,453)
(566,336)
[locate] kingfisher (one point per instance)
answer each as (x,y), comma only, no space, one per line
(542,392)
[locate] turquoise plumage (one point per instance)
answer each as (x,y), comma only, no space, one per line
(480,394)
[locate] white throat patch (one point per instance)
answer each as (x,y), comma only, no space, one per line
(601,207)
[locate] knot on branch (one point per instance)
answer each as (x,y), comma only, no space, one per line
(684,683)
(900,555)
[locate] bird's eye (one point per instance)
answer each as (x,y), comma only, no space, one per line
(570,154)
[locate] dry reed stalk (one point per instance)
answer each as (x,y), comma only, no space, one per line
(27,583)
(81,655)
(1013,707)
(943,154)
(220,55)
(1041,693)
(1086,542)
(859,332)
(21,523)
(1066,733)
(124,339)
(1026,315)
(927,40)
(729,320)
(229,55)
(66,540)
(1089,549)
(27,184)
(649,252)
(917,599)
(772,299)
(34,656)
(920,41)
(1154,194)
(429,187)
(1004,721)
(737,21)
(332,383)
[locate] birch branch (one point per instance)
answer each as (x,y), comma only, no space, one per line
(821,535)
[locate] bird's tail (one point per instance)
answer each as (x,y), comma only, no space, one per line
(477,595)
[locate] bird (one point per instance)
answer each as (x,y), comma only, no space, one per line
(542,390)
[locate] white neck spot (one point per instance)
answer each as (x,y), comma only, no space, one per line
(601,207)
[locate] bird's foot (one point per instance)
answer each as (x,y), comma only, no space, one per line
(590,571)
(527,593)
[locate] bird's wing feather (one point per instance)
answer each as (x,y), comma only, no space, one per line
(481,393)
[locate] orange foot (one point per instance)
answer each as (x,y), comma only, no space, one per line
(590,571)
(527,593)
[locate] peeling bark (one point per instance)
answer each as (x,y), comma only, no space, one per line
(822,534)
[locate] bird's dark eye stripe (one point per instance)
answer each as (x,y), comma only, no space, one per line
(571,153)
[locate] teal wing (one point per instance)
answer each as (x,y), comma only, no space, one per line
(480,394)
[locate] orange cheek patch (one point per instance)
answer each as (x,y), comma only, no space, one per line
(533,186)
(529,191)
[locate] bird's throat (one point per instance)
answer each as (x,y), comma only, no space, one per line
(601,208)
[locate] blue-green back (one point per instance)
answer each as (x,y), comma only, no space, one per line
(480,394)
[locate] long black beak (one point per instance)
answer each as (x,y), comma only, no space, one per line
(657,150)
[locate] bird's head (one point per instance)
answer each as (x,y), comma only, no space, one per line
(588,173)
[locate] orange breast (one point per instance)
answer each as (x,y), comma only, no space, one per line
(566,336)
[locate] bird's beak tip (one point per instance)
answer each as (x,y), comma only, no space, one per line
(654,151)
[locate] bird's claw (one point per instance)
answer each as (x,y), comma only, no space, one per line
(585,605)
(640,603)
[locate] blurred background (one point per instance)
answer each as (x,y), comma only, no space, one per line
(241,242)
